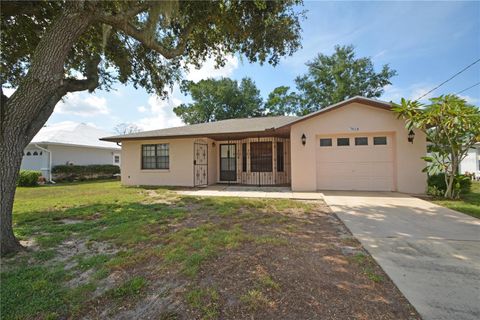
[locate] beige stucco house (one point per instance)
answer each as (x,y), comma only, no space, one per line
(357,144)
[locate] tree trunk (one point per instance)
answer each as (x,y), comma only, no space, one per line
(10,159)
(30,106)
(450,176)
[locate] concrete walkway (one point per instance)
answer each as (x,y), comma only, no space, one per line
(430,252)
(250,192)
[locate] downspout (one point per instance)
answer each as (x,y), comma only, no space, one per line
(49,162)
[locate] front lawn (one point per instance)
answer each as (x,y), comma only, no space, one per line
(99,250)
(469,203)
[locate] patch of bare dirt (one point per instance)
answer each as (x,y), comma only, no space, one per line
(315,274)
(307,270)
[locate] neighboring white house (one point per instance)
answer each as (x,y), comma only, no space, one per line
(69,143)
(471,163)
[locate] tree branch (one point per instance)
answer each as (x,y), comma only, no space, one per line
(90,83)
(122,23)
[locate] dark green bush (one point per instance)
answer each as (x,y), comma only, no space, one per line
(74,173)
(90,169)
(461,183)
(28,178)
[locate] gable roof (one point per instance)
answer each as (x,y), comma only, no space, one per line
(222,127)
(234,127)
(358,99)
(74,134)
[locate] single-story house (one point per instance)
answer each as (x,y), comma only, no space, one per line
(471,163)
(68,144)
(356,144)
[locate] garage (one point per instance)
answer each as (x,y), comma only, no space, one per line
(355,162)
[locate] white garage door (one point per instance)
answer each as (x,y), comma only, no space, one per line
(357,162)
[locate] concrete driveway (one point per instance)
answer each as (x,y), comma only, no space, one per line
(430,252)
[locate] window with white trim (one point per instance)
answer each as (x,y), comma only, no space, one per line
(379,141)
(343,142)
(361,141)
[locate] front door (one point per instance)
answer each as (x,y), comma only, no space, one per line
(228,162)
(200,164)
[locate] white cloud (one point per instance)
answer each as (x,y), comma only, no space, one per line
(470,100)
(142,109)
(78,104)
(414,91)
(162,115)
(208,69)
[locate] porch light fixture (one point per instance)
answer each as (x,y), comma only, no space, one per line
(304,139)
(411,136)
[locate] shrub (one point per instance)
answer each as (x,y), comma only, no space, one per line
(28,178)
(90,169)
(437,186)
(89,172)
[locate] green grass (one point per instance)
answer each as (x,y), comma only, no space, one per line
(130,288)
(33,292)
(267,282)
(366,263)
(138,229)
(468,204)
(254,299)
(205,301)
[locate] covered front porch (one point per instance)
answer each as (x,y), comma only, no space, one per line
(257,161)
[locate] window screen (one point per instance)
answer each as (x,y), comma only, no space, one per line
(261,157)
(361,141)
(379,141)
(325,142)
(279,156)
(155,156)
(343,142)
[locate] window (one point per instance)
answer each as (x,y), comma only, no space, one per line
(279,156)
(341,142)
(155,156)
(379,141)
(261,157)
(35,153)
(28,153)
(244,157)
(116,159)
(361,141)
(326,142)
(41,153)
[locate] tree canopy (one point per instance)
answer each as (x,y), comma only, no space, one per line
(51,48)
(220,99)
(147,43)
(282,102)
(451,125)
(334,78)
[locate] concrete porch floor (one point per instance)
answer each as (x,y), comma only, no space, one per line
(267,192)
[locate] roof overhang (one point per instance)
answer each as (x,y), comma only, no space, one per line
(73,145)
(284,133)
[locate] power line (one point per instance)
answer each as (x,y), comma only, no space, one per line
(476,84)
(455,75)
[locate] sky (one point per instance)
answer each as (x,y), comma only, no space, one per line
(426,42)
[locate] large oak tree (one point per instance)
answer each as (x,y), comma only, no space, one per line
(51,48)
